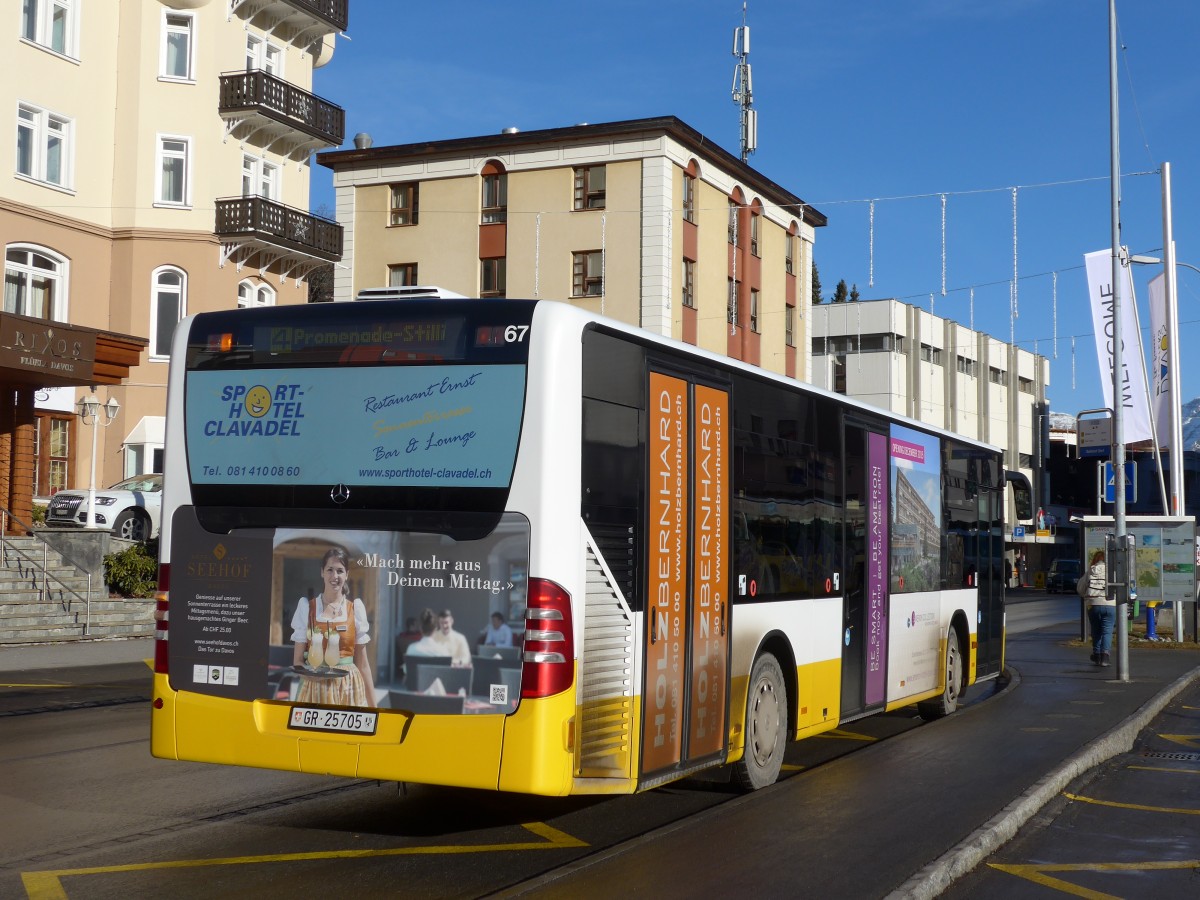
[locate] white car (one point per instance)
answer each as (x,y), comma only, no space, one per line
(130,508)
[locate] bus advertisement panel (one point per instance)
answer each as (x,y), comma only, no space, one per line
(303,615)
(439,426)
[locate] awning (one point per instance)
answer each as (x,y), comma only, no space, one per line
(150,430)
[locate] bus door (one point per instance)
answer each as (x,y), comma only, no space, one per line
(989,655)
(685,666)
(865,566)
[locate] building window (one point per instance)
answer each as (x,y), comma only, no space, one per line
(839,374)
(734,237)
(754,234)
(731,305)
(402,275)
(589,187)
(404,204)
(587,274)
(753,310)
(251,295)
(996,376)
(789,249)
(52,24)
(173,170)
(142,458)
(264,56)
(169,286)
(495,198)
(35,283)
(43,145)
(689,198)
(931,354)
(689,283)
(51,454)
(1025,385)
(178,45)
(259,178)
(789,325)
(967,366)
(492,277)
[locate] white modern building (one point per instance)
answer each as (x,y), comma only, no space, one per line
(912,362)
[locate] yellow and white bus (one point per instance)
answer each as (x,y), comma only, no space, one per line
(693,560)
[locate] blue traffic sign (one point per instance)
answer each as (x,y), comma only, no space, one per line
(1110,480)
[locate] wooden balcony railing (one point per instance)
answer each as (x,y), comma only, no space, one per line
(278,225)
(259,92)
(335,12)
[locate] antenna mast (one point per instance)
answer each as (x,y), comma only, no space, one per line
(743,89)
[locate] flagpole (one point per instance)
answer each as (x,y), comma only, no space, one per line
(1171,292)
(1121,585)
(1171,295)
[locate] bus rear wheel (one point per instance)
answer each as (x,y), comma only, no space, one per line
(766,725)
(948,701)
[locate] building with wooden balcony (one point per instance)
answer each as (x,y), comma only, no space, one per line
(157,166)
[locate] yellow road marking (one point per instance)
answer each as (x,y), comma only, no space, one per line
(1188,740)
(1165,769)
(1139,806)
(42,685)
(1037,873)
(842,734)
(48,885)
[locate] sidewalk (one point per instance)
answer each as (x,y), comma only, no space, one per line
(74,654)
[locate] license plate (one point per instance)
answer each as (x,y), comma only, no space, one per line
(308,718)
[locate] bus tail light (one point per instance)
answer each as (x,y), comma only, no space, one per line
(162,620)
(549,647)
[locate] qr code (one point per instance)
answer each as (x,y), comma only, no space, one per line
(499,694)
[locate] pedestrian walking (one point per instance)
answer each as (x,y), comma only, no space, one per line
(1101,607)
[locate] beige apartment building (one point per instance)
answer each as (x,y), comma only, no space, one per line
(157,165)
(647,221)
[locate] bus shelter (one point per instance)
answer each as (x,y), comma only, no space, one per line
(1165,558)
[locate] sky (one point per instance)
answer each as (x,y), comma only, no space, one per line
(902,104)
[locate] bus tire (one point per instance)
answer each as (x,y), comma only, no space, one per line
(948,701)
(766,725)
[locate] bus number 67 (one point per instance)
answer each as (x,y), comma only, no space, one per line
(515,334)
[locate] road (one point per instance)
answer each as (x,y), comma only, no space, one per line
(89,813)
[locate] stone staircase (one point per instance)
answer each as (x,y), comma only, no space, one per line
(37,610)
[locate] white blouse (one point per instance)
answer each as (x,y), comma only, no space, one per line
(300,621)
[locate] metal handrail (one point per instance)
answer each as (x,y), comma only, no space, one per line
(5,515)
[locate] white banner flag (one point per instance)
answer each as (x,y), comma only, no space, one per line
(1134,407)
(1162,383)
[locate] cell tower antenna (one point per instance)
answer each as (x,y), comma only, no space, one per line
(743,87)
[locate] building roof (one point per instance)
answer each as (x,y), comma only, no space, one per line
(508,141)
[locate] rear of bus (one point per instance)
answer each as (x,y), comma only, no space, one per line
(387,432)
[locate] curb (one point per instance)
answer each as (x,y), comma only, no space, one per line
(934,878)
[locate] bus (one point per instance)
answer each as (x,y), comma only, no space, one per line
(515,546)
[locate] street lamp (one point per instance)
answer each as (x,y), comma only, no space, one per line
(89,411)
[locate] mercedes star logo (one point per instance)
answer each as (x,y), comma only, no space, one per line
(339,494)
